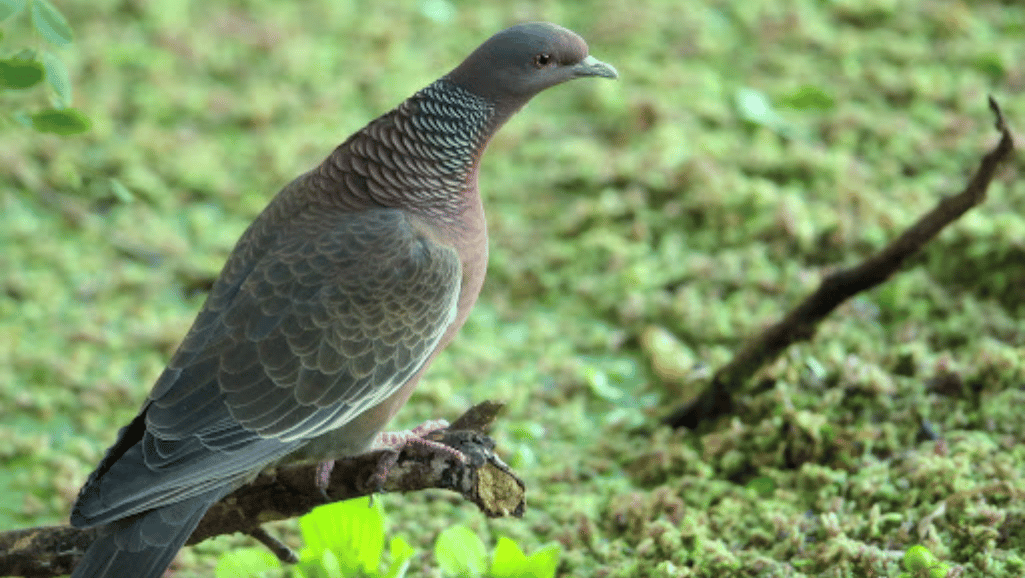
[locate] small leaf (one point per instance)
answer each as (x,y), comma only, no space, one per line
(918,557)
(991,64)
(754,107)
(66,121)
(764,486)
(460,553)
(121,192)
(20,73)
(331,566)
(246,563)
(439,11)
(57,76)
(508,560)
(21,117)
(50,23)
(542,564)
(809,97)
(9,8)
(400,553)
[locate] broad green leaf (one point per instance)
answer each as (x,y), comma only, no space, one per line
(50,23)
(353,530)
(20,73)
(508,560)
(400,553)
(57,76)
(246,563)
(64,122)
(9,8)
(460,553)
(542,564)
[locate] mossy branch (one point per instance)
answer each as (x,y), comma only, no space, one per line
(802,321)
(291,492)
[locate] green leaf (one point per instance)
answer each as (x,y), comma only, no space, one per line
(400,553)
(764,486)
(460,553)
(332,566)
(50,23)
(20,73)
(508,560)
(353,530)
(121,192)
(246,563)
(918,558)
(57,76)
(66,121)
(809,97)
(9,8)
(542,564)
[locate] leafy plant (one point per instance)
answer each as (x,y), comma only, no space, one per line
(344,539)
(28,68)
(921,563)
(461,554)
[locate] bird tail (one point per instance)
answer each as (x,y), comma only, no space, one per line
(143,545)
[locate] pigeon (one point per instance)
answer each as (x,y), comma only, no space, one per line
(328,311)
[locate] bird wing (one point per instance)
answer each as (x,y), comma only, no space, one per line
(328,322)
(325,326)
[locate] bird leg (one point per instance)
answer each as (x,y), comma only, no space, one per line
(391,444)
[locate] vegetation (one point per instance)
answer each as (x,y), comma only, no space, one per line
(641,230)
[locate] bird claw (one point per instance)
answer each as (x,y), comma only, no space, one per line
(394,442)
(323,478)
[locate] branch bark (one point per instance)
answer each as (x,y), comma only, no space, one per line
(291,492)
(801,322)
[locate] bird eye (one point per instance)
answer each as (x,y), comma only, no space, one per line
(542,60)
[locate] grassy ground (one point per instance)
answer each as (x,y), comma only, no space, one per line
(640,231)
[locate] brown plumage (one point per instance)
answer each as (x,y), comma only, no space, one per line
(329,309)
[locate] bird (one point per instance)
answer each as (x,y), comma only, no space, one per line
(329,309)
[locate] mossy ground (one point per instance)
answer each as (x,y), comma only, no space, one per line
(640,231)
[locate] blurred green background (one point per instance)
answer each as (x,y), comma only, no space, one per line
(640,231)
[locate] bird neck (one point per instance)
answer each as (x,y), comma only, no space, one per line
(423,156)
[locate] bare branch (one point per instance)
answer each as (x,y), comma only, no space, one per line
(291,492)
(802,321)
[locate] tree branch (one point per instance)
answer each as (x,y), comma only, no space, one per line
(291,492)
(801,322)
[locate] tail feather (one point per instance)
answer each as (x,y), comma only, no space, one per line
(142,546)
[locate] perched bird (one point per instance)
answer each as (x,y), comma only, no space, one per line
(329,309)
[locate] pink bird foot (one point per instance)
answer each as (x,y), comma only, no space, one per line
(392,443)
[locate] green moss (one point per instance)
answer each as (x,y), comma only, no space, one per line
(629,221)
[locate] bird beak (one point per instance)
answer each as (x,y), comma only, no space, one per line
(591,66)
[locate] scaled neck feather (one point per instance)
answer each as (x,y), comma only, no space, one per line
(422,156)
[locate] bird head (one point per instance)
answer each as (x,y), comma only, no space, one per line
(517,63)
